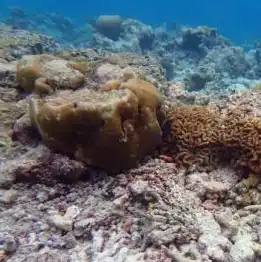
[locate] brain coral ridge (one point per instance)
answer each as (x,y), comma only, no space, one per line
(191,135)
(244,137)
(198,136)
(110,129)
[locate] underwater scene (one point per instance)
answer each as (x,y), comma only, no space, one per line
(130,131)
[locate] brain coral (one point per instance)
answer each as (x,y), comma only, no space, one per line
(192,135)
(200,137)
(111,129)
(242,136)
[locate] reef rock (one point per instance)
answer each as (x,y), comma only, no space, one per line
(45,73)
(109,72)
(9,112)
(111,129)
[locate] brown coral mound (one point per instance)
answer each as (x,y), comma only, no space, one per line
(192,135)
(112,130)
(150,101)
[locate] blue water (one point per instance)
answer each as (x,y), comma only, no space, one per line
(238,20)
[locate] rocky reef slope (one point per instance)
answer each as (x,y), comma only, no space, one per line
(105,158)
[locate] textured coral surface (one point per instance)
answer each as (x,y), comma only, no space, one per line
(198,136)
(111,130)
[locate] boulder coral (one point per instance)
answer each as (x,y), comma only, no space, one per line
(109,26)
(45,73)
(111,129)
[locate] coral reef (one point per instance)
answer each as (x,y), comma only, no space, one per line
(134,37)
(14,43)
(105,66)
(199,39)
(212,63)
(83,122)
(56,205)
(61,28)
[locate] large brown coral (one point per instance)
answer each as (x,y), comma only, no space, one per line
(150,101)
(112,130)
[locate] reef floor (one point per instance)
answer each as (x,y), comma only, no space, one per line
(155,212)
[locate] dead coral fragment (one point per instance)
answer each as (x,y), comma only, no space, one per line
(110,130)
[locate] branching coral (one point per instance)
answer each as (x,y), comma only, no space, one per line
(112,130)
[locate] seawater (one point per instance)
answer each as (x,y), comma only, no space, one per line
(238,20)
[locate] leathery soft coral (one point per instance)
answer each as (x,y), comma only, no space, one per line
(110,129)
